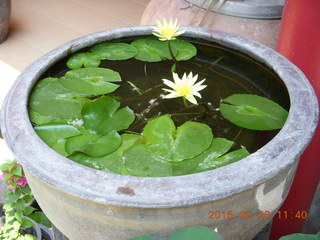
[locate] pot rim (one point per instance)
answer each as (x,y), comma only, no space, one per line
(166,192)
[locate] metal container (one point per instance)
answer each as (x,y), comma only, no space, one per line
(85,203)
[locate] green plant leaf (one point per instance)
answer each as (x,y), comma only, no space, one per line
(18,171)
(101,115)
(114,51)
(163,144)
(20,204)
(91,81)
(41,218)
(143,237)
(40,119)
(63,102)
(18,215)
(26,223)
(85,59)
(55,135)
(150,50)
(111,162)
(6,166)
(141,162)
(93,144)
(216,155)
(301,236)
(164,140)
(28,210)
(16,225)
(193,233)
(185,50)
(253,112)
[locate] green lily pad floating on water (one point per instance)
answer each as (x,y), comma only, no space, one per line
(86,59)
(91,81)
(114,51)
(93,144)
(63,102)
(103,116)
(111,162)
(55,135)
(184,49)
(150,50)
(301,236)
(253,112)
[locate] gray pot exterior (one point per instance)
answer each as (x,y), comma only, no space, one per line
(5,14)
(84,203)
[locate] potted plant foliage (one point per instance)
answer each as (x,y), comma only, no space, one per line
(18,221)
(141,111)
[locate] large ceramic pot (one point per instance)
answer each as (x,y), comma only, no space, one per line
(84,203)
(5,13)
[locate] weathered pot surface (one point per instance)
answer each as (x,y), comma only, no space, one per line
(84,203)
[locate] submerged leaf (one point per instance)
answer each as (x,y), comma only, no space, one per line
(101,115)
(85,59)
(253,112)
(114,51)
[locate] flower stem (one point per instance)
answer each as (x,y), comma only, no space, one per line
(185,102)
(171,53)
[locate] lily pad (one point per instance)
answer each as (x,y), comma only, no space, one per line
(91,81)
(85,59)
(192,233)
(40,119)
(101,115)
(150,50)
(93,144)
(111,162)
(165,140)
(253,112)
(55,135)
(141,162)
(216,155)
(114,51)
(63,102)
(184,50)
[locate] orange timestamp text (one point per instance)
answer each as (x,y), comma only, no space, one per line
(246,215)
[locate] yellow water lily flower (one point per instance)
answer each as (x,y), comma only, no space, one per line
(185,87)
(167,31)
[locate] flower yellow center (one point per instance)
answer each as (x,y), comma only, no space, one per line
(168,32)
(184,90)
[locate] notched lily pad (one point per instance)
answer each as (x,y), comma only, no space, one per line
(102,115)
(114,51)
(184,50)
(150,50)
(253,112)
(85,59)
